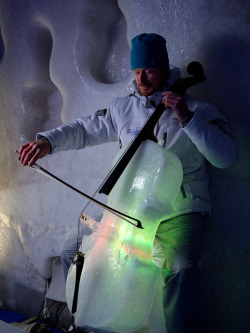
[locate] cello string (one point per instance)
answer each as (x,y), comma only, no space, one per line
(114,166)
(80,233)
(127,148)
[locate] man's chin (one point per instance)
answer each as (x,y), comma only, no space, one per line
(146,91)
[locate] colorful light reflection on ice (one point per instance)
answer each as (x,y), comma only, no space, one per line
(119,273)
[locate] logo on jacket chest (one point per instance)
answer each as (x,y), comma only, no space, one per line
(133,131)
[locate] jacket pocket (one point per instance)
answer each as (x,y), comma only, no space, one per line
(195,190)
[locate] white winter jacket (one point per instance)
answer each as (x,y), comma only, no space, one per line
(206,136)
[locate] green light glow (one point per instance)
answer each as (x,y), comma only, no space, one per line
(119,273)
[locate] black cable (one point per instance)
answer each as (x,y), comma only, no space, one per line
(58,314)
(38,316)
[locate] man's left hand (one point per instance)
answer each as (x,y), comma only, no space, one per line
(177,103)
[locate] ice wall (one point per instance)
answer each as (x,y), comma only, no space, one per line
(63,59)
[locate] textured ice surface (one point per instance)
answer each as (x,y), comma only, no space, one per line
(62,59)
(119,273)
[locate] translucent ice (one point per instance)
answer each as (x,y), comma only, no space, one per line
(119,273)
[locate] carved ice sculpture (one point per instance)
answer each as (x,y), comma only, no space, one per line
(119,274)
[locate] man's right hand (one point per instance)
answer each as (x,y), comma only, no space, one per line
(30,152)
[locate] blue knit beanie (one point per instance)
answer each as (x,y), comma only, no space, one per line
(149,51)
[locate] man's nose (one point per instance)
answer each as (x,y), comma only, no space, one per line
(142,78)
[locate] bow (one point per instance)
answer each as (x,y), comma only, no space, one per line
(123,216)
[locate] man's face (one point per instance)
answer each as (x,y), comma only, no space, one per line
(150,80)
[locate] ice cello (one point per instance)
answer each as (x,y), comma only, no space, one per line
(118,279)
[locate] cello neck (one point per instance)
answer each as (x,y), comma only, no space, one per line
(129,153)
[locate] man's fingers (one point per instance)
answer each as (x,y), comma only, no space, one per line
(35,157)
(30,152)
(171,99)
(22,148)
(24,152)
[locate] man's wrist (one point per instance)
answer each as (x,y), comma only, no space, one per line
(43,138)
(187,119)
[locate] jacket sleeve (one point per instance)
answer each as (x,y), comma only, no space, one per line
(87,131)
(208,130)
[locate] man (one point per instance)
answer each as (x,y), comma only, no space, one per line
(192,129)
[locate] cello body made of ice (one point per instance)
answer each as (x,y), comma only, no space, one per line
(117,283)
